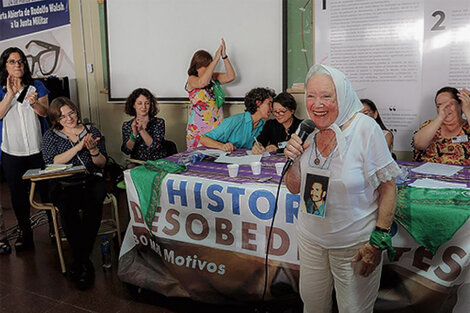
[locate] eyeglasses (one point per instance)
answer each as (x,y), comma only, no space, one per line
(19,62)
(71,114)
(279,112)
(46,59)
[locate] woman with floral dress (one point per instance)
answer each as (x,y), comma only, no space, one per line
(205,114)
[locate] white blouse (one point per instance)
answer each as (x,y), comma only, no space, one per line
(21,132)
(351,205)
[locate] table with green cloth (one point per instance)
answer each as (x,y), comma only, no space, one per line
(203,235)
(431,234)
(196,232)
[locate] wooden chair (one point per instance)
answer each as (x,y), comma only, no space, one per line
(108,226)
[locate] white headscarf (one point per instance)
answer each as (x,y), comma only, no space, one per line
(348,101)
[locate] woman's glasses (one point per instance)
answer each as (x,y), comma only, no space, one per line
(71,114)
(19,62)
(279,112)
(46,59)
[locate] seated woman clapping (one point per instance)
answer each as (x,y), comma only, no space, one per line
(276,132)
(445,139)
(142,136)
(69,141)
(239,131)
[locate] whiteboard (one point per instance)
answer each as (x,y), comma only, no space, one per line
(150,44)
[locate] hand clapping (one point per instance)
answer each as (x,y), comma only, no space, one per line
(13,85)
(140,125)
(464,96)
(91,143)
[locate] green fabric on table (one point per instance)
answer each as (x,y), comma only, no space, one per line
(432,216)
(147,179)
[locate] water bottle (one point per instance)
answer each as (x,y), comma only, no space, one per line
(191,158)
(106,253)
(26,101)
(402,178)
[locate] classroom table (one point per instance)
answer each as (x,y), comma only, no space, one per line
(37,175)
(208,242)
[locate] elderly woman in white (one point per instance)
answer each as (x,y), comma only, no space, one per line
(343,248)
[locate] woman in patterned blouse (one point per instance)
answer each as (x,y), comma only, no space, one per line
(142,136)
(445,139)
(79,199)
(204,113)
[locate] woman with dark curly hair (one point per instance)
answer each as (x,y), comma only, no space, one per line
(205,112)
(142,136)
(21,135)
(239,131)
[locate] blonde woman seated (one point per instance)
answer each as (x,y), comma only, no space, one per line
(239,131)
(445,139)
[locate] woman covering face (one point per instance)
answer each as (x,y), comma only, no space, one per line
(446,139)
(339,248)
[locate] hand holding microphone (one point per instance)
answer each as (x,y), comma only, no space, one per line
(296,145)
(294,148)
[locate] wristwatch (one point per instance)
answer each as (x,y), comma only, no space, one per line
(384,230)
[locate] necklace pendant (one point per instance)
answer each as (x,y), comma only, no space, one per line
(316,161)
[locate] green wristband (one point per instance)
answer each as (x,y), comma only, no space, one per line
(383,241)
(132,137)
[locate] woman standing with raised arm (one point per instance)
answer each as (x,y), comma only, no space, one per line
(205,113)
(21,135)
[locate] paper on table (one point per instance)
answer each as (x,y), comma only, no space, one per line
(51,168)
(437,169)
(243,160)
(213,152)
(37,171)
(433,183)
(265,153)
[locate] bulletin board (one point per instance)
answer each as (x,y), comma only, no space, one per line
(150,44)
(397,53)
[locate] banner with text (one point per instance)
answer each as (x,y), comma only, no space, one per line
(209,237)
(41,28)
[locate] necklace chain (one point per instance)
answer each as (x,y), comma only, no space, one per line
(316,161)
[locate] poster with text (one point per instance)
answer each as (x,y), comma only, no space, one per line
(41,29)
(396,53)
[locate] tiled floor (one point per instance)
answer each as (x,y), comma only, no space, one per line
(31,281)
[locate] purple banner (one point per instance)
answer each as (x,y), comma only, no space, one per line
(22,17)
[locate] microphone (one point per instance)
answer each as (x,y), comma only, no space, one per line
(305,128)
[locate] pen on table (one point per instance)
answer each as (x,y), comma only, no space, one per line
(257,143)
